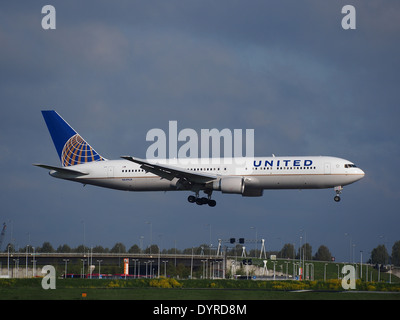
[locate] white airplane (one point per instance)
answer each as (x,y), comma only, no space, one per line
(246,176)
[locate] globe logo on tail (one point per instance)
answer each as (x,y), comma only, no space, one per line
(78,151)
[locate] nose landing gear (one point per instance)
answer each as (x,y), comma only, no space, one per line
(338,191)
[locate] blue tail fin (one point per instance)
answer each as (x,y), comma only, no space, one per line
(71,147)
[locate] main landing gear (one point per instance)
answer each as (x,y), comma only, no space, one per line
(338,191)
(203,200)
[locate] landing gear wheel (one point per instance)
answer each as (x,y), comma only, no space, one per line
(212,203)
(338,191)
(201,201)
(204,200)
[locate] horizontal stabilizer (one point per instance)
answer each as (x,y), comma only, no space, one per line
(63,170)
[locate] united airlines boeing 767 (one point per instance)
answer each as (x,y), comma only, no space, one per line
(246,176)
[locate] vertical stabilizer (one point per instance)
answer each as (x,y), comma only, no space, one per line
(71,147)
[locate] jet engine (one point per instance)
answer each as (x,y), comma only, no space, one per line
(237,185)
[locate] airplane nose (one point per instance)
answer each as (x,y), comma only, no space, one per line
(360,173)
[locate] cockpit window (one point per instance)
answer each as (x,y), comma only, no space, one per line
(350,165)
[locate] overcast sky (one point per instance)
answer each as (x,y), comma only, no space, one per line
(287,69)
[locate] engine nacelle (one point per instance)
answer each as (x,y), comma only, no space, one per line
(231,185)
(252,192)
(237,185)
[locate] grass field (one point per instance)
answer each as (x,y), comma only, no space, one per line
(169,289)
(184,294)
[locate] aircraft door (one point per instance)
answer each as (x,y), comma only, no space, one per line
(110,172)
(327,168)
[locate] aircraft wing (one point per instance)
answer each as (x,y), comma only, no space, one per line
(170,172)
(62,170)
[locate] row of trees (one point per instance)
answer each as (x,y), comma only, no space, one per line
(379,254)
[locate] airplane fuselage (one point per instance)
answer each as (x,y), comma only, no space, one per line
(246,176)
(259,173)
